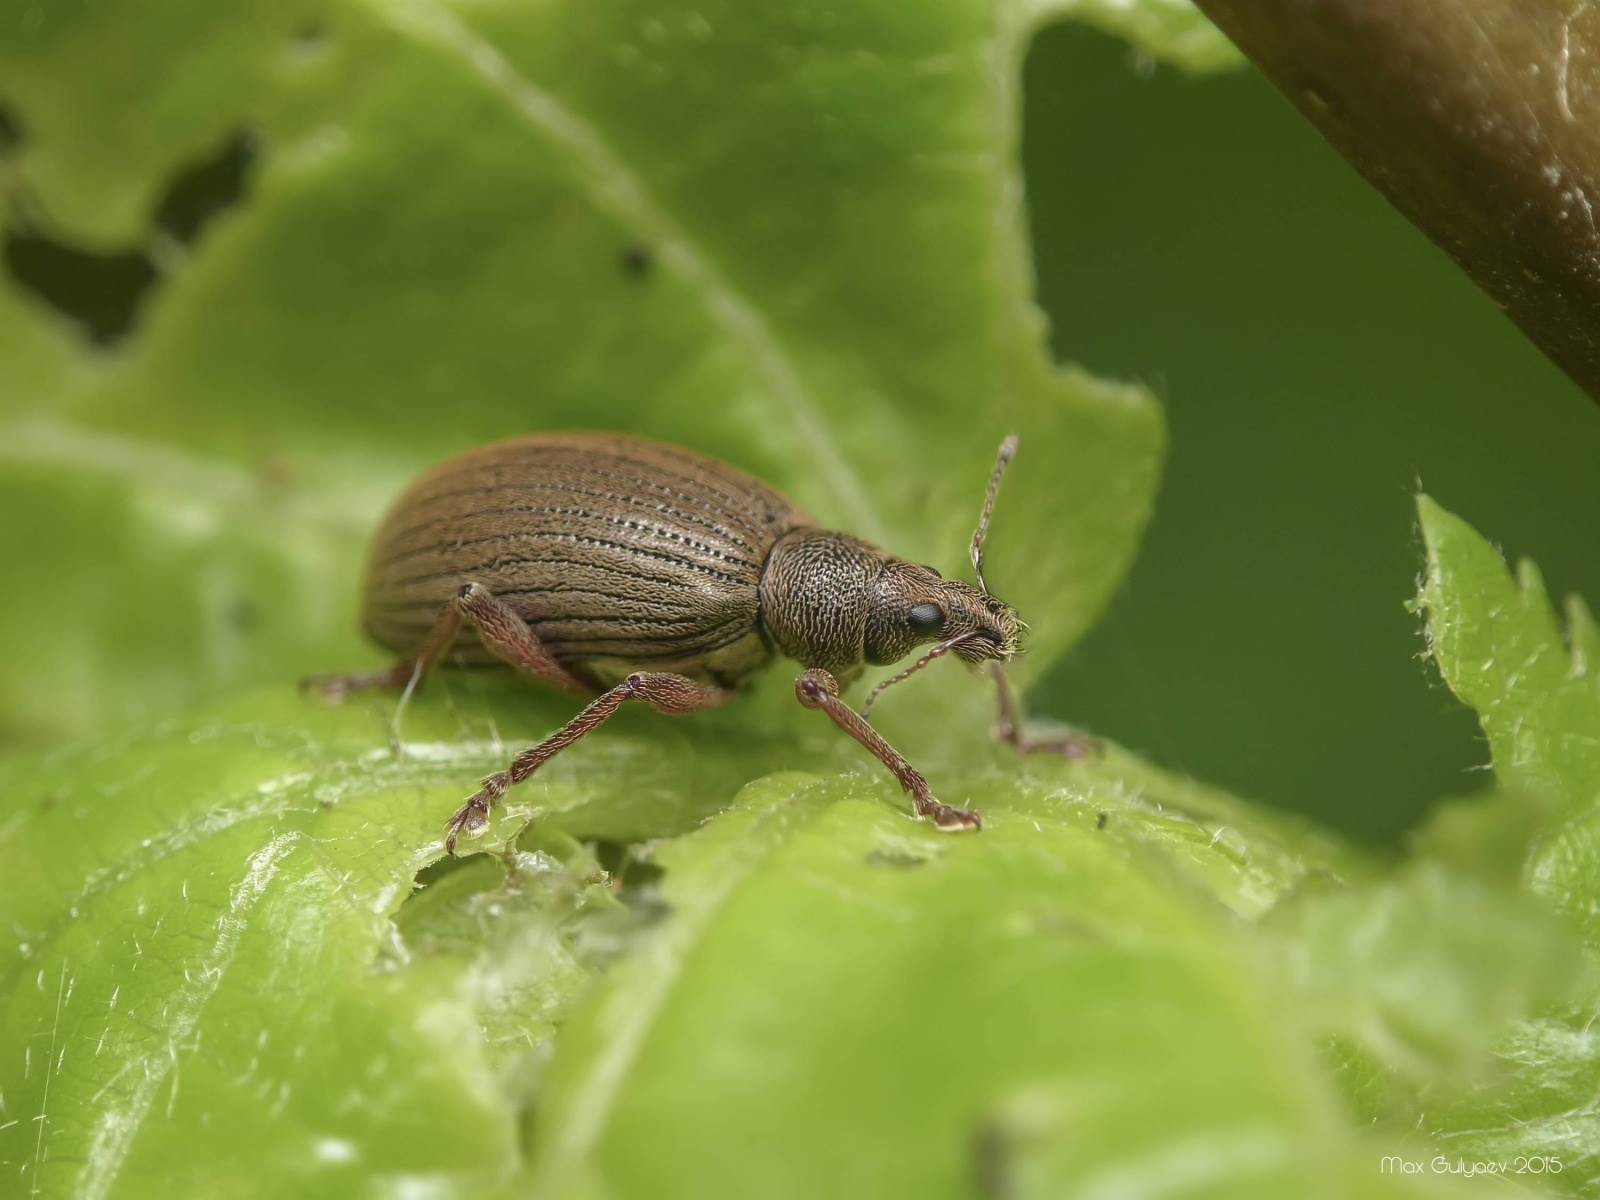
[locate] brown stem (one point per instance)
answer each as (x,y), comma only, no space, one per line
(1478,119)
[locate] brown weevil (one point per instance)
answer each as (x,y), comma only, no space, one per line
(618,569)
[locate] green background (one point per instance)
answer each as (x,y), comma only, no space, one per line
(1316,357)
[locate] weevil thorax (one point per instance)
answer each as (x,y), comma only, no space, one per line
(834,601)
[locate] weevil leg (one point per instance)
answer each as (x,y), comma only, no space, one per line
(667,693)
(1008,726)
(502,632)
(406,674)
(507,636)
(818,689)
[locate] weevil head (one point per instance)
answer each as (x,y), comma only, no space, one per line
(834,601)
(914,605)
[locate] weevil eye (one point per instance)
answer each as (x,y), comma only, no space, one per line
(926,618)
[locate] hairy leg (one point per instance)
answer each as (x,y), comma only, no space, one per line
(503,633)
(818,689)
(662,691)
(1009,729)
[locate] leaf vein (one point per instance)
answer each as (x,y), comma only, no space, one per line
(118,1124)
(619,190)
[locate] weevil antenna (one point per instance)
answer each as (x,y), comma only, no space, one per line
(1008,450)
(937,652)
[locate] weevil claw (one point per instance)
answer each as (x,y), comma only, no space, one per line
(470,818)
(954,820)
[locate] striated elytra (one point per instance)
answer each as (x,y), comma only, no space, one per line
(618,569)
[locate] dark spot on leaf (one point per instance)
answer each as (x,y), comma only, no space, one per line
(992,1154)
(637,261)
(898,859)
(1100,819)
(309,36)
(243,615)
(10,130)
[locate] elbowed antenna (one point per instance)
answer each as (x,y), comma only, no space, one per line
(1008,450)
(938,651)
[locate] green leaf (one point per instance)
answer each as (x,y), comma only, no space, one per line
(472,221)
(1427,970)
(208,979)
(1500,647)
(1045,1010)
(219,975)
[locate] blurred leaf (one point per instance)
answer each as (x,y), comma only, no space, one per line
(1500,647)
(1172,31)
(1428,969)
(1487,837)
(469,221)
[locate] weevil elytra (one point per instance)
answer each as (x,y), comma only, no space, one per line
(618,569)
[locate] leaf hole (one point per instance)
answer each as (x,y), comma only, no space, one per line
(99,292)
(102,291)
(204,189)
(435,871)
(629,865)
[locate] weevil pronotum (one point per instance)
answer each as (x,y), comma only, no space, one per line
(618,569)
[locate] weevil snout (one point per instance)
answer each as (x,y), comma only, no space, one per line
(972,625)
(996,631)
(916,605)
